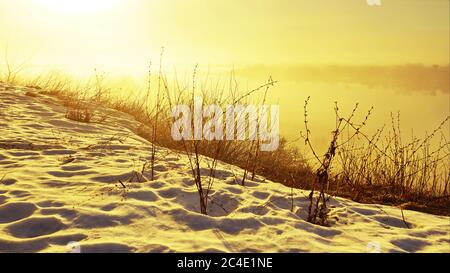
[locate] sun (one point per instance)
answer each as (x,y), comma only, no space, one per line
(77,6)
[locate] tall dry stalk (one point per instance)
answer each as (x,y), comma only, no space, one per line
(317,209)
(12,70)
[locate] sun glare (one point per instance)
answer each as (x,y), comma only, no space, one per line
(77,6)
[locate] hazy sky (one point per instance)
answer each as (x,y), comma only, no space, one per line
(126,34)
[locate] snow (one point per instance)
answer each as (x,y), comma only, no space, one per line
(61,192)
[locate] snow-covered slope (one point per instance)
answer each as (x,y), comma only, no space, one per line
(61,192)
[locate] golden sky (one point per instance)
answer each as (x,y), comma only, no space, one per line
(126,34)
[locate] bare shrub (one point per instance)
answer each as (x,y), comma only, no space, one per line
(317,210)
(377,168)
(80,114)
(382,167)
(12,70)
(396,171)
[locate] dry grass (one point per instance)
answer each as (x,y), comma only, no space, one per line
(318,210)
(80,114)
(380,168)
(383,168)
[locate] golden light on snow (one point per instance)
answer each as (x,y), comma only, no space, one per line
(77,176)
